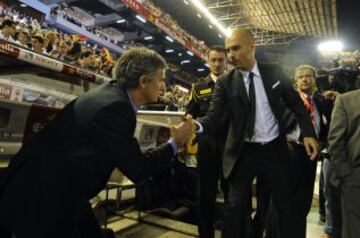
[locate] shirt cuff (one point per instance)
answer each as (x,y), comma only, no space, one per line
(173,145)
(200,128)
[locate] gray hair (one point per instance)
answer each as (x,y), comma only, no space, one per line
(136,62)
(305,66)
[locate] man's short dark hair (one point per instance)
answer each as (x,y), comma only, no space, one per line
(8,23)
(38,38)
(217,48)
(136,62)
(85,54)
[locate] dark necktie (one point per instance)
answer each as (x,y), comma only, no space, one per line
(252,99)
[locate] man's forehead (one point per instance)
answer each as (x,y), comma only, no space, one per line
(216,54)
(231,42)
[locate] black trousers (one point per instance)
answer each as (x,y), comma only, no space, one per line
(303,172)
(263,198)
(271,162)
(209,173)
(87,227)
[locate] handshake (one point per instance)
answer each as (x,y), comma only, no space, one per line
(182,132)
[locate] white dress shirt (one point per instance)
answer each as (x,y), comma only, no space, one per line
(266,125)
(213,77)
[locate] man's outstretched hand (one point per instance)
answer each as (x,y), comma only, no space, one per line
(181,133)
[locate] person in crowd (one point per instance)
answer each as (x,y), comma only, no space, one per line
(74,53)
(249,96)
(37,44)
(60,51)
(210,147)
(46,188)
(86,59)
(303,170)
(50,42)
(8,30)
(344,150)
(23,39)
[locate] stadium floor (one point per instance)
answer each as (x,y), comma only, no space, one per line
(129,227)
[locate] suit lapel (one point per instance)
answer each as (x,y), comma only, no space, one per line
(238,85)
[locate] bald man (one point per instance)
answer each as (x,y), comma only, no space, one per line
(253,97)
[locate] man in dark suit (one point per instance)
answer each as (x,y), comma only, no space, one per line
(210,147)
(344,150)
(319,105)
(48,183)
(249,96)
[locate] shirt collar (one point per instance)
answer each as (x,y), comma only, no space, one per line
(213,77)
(135,108)
(255,71)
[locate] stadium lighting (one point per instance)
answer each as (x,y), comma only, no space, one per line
(169,51)
(120,21)
(141,18)
(330,46)
(190,53)
(169,38)
(148,38)
(202,8)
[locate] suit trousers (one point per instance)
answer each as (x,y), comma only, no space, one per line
(271,161)
(209,173)
(350,211)
(303,172)
(263,197)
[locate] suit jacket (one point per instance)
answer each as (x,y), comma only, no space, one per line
(70,161)
(324,108)
(231,100)
(344,139)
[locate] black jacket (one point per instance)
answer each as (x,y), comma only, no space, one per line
(70,161)
(200,97)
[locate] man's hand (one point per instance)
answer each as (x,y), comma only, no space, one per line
(312,147)
(329,95)
(181,133)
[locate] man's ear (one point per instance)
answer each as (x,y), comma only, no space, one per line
(142,81)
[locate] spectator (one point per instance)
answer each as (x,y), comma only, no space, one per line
(86,59)
(23,39)
(8,30)
(74,53)
(61,50)
(50,42)
(37,44)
